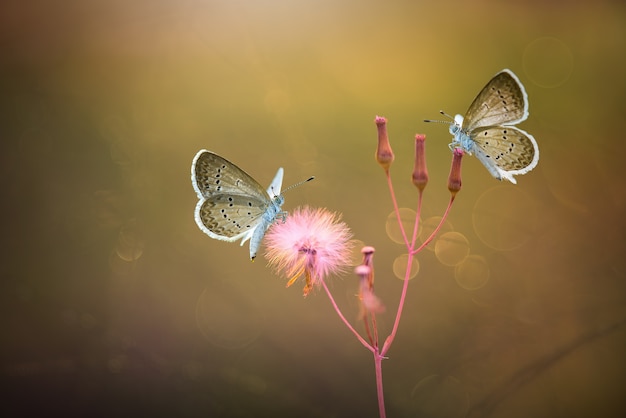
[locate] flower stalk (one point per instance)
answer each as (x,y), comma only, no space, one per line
(314,244)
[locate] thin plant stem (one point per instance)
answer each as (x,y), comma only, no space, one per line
(375,327)
(432,235)
(378,365)
(418,213)
(395,207)
(405,285)
(366,324)
(345,321)
(396,323)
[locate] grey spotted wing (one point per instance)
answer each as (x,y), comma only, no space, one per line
(229,217)
(506,150)
(212,174)
(503,101)
(231,202)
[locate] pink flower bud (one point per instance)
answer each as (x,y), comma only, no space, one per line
(454,180)
(420,172)
(368,254)
(384,154)
(368,261)
(362,271)
(369,301)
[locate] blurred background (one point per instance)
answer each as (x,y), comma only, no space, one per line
(114,303)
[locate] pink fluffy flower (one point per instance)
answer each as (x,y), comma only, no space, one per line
(312,243)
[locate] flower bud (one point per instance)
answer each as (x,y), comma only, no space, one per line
(369,301)
(368,254)
(384,154)
(454,180)
(368,261)
(420,172)
(362,271)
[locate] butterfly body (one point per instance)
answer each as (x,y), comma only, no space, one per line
(232,205)
(461,137)
(488,132)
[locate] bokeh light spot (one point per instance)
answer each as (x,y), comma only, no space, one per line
(472,273)
(548,62)
(428,226)
(399,266)
(451,248)
(130,244)
(407,217)
(504,218)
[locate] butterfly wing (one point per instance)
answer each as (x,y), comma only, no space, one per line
(505,150)
(212,174)
(229,218)
(231,202)
(273,189)
(503,101)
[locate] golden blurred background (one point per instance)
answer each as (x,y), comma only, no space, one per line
(115,303)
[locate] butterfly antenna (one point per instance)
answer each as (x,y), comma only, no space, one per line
(293,186)
(441,121)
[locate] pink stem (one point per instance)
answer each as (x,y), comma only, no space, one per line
(375,327)
(405,286)
(395,207)
(432,236)
(345,321)
(366,324)
(378,360)
(396,323)
(418,212)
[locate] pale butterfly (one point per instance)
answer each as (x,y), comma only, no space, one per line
(487,129)
(232,205)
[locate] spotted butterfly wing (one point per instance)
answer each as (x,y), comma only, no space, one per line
(503,101)
(232,205)
(505,151)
